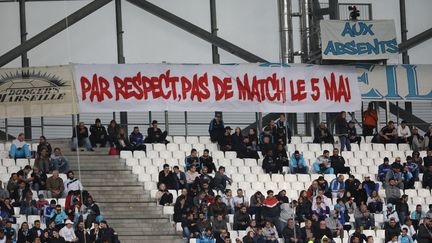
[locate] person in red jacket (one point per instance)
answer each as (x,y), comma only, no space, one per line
(271,209)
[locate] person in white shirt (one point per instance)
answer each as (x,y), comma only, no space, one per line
(68,233)
(240,199)
(2,236)
(191,175)
(228,199)
(72,183)
(403,132)
(19,148)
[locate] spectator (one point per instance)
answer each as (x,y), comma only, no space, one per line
(163,196)
(54,185)
(370,120)
(280,154)
(307,233)
(270,233)
(350,205)
(353,137)
(180,209)
(298,164)
(358,236)
(402,208)
(219,222)
(167,177)
(403,132)
(3,193)
(337,186)
(428,138)
(220,180)
(207,235)
(192,159)
(341,130)
(237,139)
(248,149)
(334,225)
(322,164)
(256,203)
(203,178)
(207,161)
(392,192)
(404,237)
(216,127)
(304,206)
(322,134)
(228,199)
(191,175)
(67,232)
(391,230)
(203,222)
(107,234)
(9,232)
(113,130)
(252,135)
(270,209)
(155,134)
(383,169)
(43,162)
(98,134)
(3,237)
(241,219)
(363,218)
(417,215)
(413,168)
(44,143)
(388,134)
(338,163)
(407,178)
(82,234)
(291,233)
(46,215)
(28,205)
(424,233)
(360,195)
(322,231)
(418,160)
(136,137)
(267,133)
(35,231)
(240,200)
(389,214)
(313,189)
(369,185)
(427,178)
(287,212)
(80,137)
(249,237)
(281,197)
(225,141)
(23,233)
(416,141)
(320,208)
(375,203)
(123,143)
(19,148)
(59,161)
(72,184)
(58,216)
(396,175)
(429,213)
(42,202)
(18,195)
(180,178)
(282,123)
(270,165)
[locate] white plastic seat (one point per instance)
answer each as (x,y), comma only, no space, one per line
(143,177)
(131,161)
(152,154)
(139,154)
(290,148)
(378,147)
(385,153)
(168,210)
(417,200)
(32,218)
(204,140)
(257,170)
(309,155)
(22,162)
(367,162)
(411,193)
(398,153)
(158,161)
(306,139)
(3,170)
(230,154)
(365,147)
(360,154)
(211,147)
(270,185)
(237,162)
(179,139)
(137,169)
(250,162)
(172,147)
(315,147)
(380,233)
(13,169)
(369,232)
(259,186)
(327,146)
(264,177)
(218,154)
(250,178)
(303,178)
(159,147)
(185,147)
(150,185)
(362,170)
(151,170)
(2,147)
(330,177)
(192,139)
(391,147)
(277,178)
(124,154)
(373,169)
(347,154)
(244,170)
(291,177)
(223,162)
(149,146)
(355,147)
(34,146)
(8,162)
(353,162)
(301,147)
(7,146)
(297,185)
(165,154)
(424,192)
(295,140)
(373,154)
(404,147)
(179,155)
(199,147)
(145,162)
(292,194)
(231,170)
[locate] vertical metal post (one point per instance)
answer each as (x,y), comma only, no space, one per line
(166,122)
(214,30)
(387,111)
(42,126)
(24,61)
(73,121)
(334,9)
(259,122)
(404,30)
(120,55)
(150,118)
(303,31)
(6,130)
(186,123)
(114,116)
(286,31)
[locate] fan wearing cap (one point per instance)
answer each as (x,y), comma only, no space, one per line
(155,134)
(390,213)
(225,141)
(67,232)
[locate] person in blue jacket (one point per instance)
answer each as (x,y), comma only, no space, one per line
(136,137)
(206,236)
(383,169)
(298,164)
(404,237)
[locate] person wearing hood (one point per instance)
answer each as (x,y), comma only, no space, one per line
(298,164)
(390,213)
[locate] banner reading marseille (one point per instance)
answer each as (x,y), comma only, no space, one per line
(239,88)
(358,40)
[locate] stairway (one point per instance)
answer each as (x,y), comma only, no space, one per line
(123,202)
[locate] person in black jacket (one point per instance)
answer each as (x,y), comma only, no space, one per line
(167,177)
(98,134)
(107,234)
(155,134)
(391,229)
(36,231)
(113,130)
(225,141)
(56,238)
(247,150)
(281,155)
(207,161)
(180,209)
(241,219)
(322,134)
(341,128)
(338,163)
(292,233)
(123,143)
(82,234)
(216,127)
(44,143)
(352,133)
(322,231)
(80,137)
(425,231)
(270,164)
(237,139)
(24,233)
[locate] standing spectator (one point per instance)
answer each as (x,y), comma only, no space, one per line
(163,196)
(370,120)
(322,134)
(403,132)
(352,133)
(427,178)
(256,203)
(287,212)
(241,219)
(166,177)
(418,160)
(322,164)
(113,130)
(192,159)
(291,233)
(44,143)
(24,233)
(220,180)
(216,127)
(180,209)
(407,178)
(207,161)
(282,123)
(270,165)
(228,199)
(67,232)
(298,164)
(391,230)
(3,193)
(388,134)
(19,148)
(82,234)
(98,134)
(35,231)
(403,209)
(334,225)
(180,178)
(424,233)
(123,143)
(54,185)
(428,138)
(72,184)
(417,215)
(80,137)
(383,169)
(59,161)
(271,209)
(237,139)
(225,140)
(338,163)
(155,134)
(396,175)
(363,218)
(136,138)
(413,168)
(337,186)
(417,141)
(43,162)
(341,130)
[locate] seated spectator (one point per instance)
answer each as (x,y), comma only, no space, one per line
(334,225)
(281,197)
(39,179)
(270,209)
(136,137)
(322,231)
(418,160)
(67,232)
(270,233)
(404,237)
(123,143)
(59,161)
(253,137)
(237,139)
(248,149)
(303,209)
(358,236)
(28,205)
(292,233)
(280,154)
(428,138)
(313,190)
(407,178)
(388,134)
(207,235)
(46,211)
(192,159)
(9,232)
(180,178)
(167,178)
(191,175)
(58,216)
(280,136)
(267,133)
(249,237)
(18,195)
(363,218)
(98,134)
(369,185)
(340,211)
(307,232)
(155,134)
(391,230)
(320,208)
(54,185)
(240,200)
(423,235)
(337,187)
(225,141)
(35,231)
(80,137)
(429,213)
(180,209)
(396,175)
(402,208)
(417,215)
(241,219)
(389,214)
(341,130)
(353,137)
(3,193)
(204,177)
(403,132)
(228,199)
(322,134)
(113,130)
(416,141)
(270,165)
(298,164)
(413,168)
(19,148)
(375,202)
(266,145)
(322,164)
(360,195)
(43,143)
(72,184)
(190,227)
(220,180)
(383,169)
(392,192)
(427,178)
(41,202)
(216,127)
(43,162)
(338,163)
(82,234)
(163,196)
(219,222)
(23,233)
(350,205)
(207,161)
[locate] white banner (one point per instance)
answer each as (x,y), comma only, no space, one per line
(358,40)
(37,91)
(239,88)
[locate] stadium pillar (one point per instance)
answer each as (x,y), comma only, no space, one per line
(404,37)
(120,55)
(214,30)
